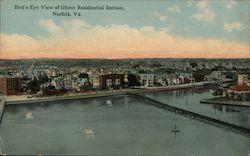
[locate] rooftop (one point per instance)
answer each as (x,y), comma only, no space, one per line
(242,87)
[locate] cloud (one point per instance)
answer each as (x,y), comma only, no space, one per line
(160,16)
(166,29)
(175,8)
(78,39)
(51,27)
(189,3)
(193,26)
(235,26)
(230,4)
(204,13)
(202,4)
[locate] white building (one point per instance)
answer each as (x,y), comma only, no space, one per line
(94,79)
(242,79)
(58,83)
(147,80)
(215,75)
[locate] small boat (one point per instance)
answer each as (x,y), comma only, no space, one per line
(89,131)
(108,102)
(29,115)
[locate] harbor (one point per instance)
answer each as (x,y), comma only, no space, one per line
(103,122)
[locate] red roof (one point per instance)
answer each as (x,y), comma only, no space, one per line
(242,87)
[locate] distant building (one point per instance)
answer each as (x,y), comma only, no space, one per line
(242,79)
(241,91)
(215,75)
(9,86)
(58,83)
(147,80)
(199,75)
(95,81)
(111,81)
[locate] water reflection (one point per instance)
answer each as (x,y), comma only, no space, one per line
(29,115)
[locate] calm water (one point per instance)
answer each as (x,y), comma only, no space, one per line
(127,127)
(189,99)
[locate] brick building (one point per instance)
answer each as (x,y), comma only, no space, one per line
(114,81)
(9,86)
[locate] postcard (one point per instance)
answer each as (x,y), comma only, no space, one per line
(125,77)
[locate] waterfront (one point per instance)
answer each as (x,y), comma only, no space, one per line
(125,127)
(23,99)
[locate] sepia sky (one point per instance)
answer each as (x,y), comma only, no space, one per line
(145,29)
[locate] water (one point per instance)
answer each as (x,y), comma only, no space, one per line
(128,127)
(2,148)
(190,100)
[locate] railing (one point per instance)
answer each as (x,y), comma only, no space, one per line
(189,114)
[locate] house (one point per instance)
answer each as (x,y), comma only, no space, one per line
(147,80)
(114,81)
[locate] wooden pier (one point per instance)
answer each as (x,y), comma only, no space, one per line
(225,102)
(218,123)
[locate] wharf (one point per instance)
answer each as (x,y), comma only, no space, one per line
(219,101)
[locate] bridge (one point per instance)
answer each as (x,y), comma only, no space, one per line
(215,122)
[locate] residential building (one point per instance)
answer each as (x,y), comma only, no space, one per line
(9,86)
(147,80)
(242,79)
(111,81)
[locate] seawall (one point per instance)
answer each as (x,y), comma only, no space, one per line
(10,101)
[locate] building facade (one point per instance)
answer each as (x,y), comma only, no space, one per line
(242,79)
(241,91)
(114,81)
(9,86)
(147,80)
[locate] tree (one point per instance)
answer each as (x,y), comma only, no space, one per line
(34,85)
(83,75)
(43,78)
(132,80)
(193,64)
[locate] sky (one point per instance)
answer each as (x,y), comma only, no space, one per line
(144,29)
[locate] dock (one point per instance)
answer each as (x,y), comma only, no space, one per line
(215,122)
(226,102)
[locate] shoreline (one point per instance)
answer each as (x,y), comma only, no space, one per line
(12,100)
(2,106)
